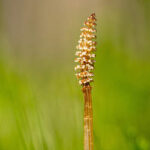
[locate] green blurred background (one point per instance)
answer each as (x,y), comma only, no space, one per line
(41,103)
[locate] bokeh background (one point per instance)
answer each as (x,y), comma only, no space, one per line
(41,103)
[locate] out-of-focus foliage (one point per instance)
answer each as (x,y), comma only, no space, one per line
(41,103)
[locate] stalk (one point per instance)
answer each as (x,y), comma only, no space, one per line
(88,118)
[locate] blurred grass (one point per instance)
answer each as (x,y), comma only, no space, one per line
(41,104)
(46,112)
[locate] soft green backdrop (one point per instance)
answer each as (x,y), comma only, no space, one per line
(41,103)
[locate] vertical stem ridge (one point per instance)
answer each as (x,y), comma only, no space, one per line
(88,118)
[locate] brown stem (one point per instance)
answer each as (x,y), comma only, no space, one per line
(88,118)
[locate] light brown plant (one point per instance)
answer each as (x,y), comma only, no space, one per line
(85,67)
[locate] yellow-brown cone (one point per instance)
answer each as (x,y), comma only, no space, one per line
(85,53)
